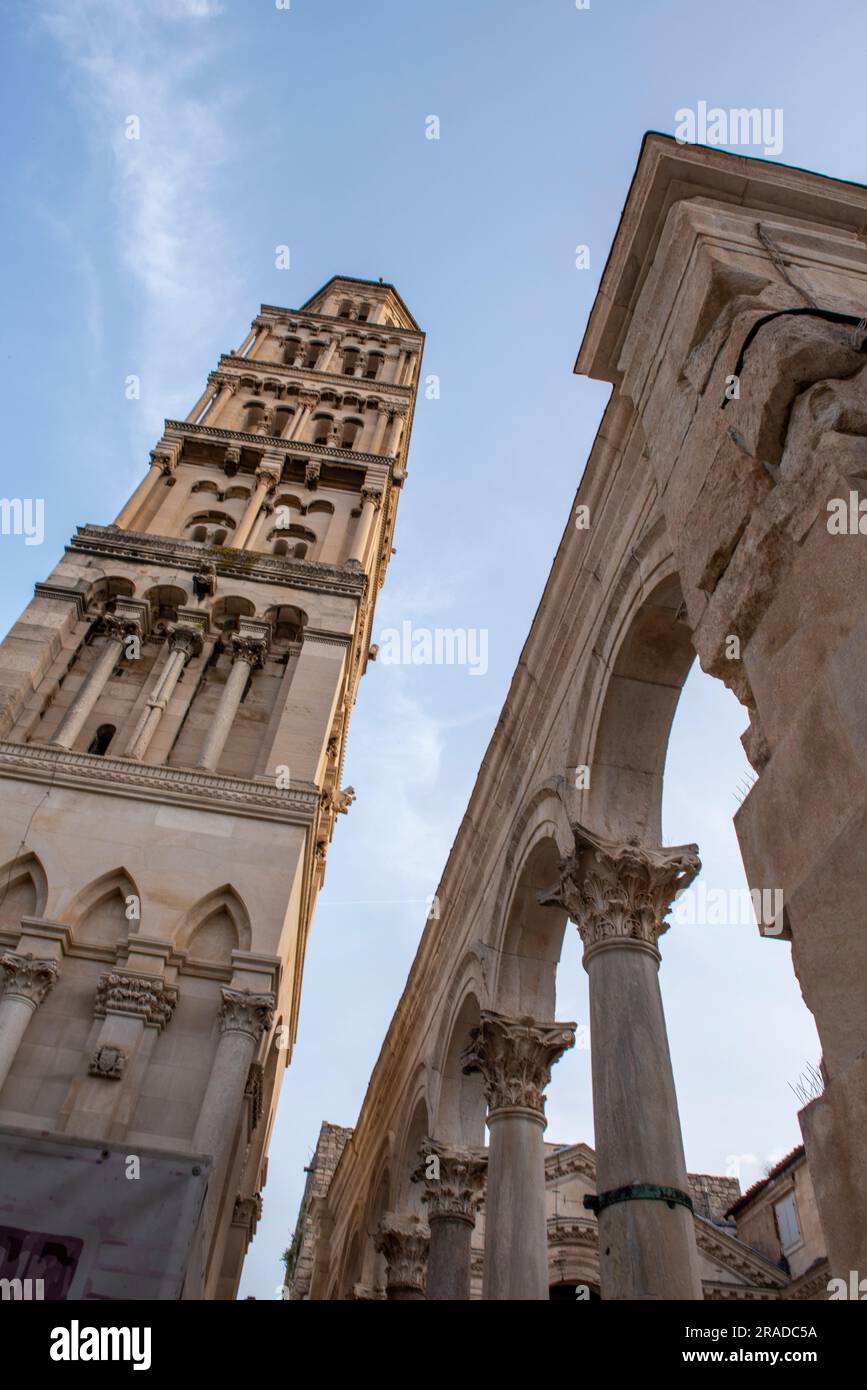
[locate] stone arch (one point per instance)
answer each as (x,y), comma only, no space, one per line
(23,889)
(226,612)
(411,1132)
(458,1099)
(648,660)
(350,1268)
(373,1263)
(528,938)
(214,927)
(97,913)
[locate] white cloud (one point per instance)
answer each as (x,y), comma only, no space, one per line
(148,61)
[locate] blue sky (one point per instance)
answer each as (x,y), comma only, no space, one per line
(263,126)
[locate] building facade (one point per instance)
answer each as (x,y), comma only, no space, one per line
(174,708)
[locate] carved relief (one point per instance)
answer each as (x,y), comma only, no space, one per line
(137,996)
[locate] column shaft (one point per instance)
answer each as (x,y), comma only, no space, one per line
(448,1267)
(84,700)
(146,487)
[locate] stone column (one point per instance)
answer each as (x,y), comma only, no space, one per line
(378,440)
(117,630)
(454,1182)
(262,336)
(392,437)
(28,981)
(160,467)
(371,501)
(204,399)
(244,1018)
(327,356)
(515,1057)
(267,478)
(307,401)
(227,391)
(248,653)
(184,643)
(618,895)
(404,1242)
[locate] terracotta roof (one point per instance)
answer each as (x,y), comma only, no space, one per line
(775,1172)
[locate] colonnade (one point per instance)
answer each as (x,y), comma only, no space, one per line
(618,894)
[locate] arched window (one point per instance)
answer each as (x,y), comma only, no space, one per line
(281,547)
(374,365)
(364,313)
(345,310)
(351,431)
(300,551)
(200,533)
(322,428)
(101,739)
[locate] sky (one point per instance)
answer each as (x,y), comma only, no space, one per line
(264,124)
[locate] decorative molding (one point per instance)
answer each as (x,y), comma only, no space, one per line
(289,446)
(138,546)
(207,791)
(147,997)
(254,1091)
(57,591)
(27,977)
(620,891)
(515,1057)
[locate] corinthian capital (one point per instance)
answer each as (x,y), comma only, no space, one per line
(404,1242)
(454,1181)
(620,891)
(515,1057)
(249,649)
(28,978)
(244,1012)
(184,639)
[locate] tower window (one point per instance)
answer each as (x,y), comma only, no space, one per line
(786,1214)
(101,739)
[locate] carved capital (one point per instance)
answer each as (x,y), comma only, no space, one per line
(515,1057)
(620,892)
(454,1181)
(404,1241)
(245,1012)
(269,473)
(310,398)
(249,649)
(312,471)
(147,997)
(28,978)
(117,628)
(372,495)
(184,639)
(165,462)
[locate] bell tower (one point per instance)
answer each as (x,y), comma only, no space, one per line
(174,708)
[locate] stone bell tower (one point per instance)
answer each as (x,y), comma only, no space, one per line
(174,706)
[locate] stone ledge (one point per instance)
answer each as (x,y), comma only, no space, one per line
(207,791)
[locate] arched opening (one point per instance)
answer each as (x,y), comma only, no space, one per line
(460,1114)
(102,738)
(227,611)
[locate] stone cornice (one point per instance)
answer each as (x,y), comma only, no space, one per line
(212,792)
(362,386)
(238,564)
(295,447)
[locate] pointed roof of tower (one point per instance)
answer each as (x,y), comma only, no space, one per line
(386,290)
